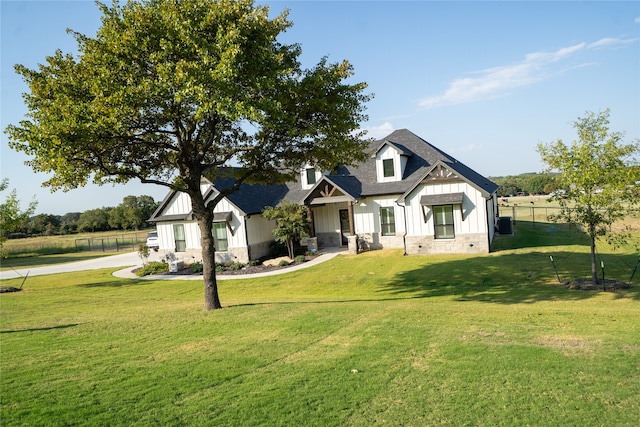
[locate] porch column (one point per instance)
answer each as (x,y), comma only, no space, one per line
(352,230)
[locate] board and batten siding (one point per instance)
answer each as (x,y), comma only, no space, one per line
(473,206)
(181,205)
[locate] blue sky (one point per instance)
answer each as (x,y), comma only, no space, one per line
(483,81)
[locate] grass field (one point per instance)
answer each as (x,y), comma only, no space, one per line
(377,338)
(81,242)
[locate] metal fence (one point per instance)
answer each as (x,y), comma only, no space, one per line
(124,242)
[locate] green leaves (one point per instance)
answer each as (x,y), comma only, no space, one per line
(599,174)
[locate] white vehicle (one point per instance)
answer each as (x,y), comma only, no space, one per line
(152,241)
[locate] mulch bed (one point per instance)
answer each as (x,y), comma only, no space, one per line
(587,285)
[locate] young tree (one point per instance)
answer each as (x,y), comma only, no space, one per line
(11,216)
(170,89)
(292,223)
(599,175)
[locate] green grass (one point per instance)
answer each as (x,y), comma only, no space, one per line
(44,260)
(377,338)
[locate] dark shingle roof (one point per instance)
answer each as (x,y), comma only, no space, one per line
(360,181)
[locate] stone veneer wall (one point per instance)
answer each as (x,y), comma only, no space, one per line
(191,255)
(462,244)
(373,241)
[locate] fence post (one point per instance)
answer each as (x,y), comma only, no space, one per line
(533,215)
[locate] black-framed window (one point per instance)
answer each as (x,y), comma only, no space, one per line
(220,236)
(443,222)
(311,176)
(179,237)
(387,222)
(387,168)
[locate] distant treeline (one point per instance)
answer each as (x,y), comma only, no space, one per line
(525,184)
(132,214)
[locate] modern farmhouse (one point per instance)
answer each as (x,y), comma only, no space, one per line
(408,195)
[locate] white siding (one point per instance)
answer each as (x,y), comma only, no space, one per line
(388,152)
(473,206)
(259,229)
(367,214)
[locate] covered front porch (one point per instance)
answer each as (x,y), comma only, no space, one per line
(331,213)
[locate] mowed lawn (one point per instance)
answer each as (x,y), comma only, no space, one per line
(373,339)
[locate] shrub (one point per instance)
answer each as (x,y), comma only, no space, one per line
(254,262)
(283,263)
(300,258)
(235,266)
(196,267)
(154,267)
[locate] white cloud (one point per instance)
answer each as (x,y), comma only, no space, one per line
(637,20)
(496,82)
(466,148)
(608,41)
(381,131)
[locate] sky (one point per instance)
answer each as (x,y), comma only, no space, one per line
(485,82)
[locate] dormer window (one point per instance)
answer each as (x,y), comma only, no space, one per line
(311,176)
(391,161)
(387,168)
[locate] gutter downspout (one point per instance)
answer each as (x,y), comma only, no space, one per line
(404,236)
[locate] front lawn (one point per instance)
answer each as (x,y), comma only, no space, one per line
(377,338)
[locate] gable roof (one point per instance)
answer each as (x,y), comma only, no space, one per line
(424,157)
(356,182)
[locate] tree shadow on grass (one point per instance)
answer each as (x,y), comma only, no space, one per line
(528,234)
(46,328)
(507,279)
(119,283)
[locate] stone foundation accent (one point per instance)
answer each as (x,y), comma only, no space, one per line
(353,245)
(328,240)
(373,241)
(462,244)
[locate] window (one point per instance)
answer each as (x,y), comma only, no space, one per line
(220,236)
(387,222)
(178,235)
(311,176)
(387,168)
(443,220)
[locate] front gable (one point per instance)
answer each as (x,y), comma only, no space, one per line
(332,190)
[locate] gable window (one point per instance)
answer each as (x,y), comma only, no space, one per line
(387,222)
(443,220)
(387,168)
(311,176)
(179,238)
(220,236)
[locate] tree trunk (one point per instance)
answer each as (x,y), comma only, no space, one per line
(290,248)
(594,267)
(205,223)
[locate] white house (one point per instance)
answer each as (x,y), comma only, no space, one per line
(408,195)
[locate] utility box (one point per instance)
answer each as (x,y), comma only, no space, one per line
(175,266)
(505,225)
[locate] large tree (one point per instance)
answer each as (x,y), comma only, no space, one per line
(600,175)
(170,89)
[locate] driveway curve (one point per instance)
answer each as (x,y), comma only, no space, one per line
(130,261)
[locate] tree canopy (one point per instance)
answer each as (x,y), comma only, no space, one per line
(169,89)
(600,174)
(11,215)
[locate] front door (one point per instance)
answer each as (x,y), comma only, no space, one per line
(344,226)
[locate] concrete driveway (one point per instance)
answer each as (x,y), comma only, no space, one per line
(129,259)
